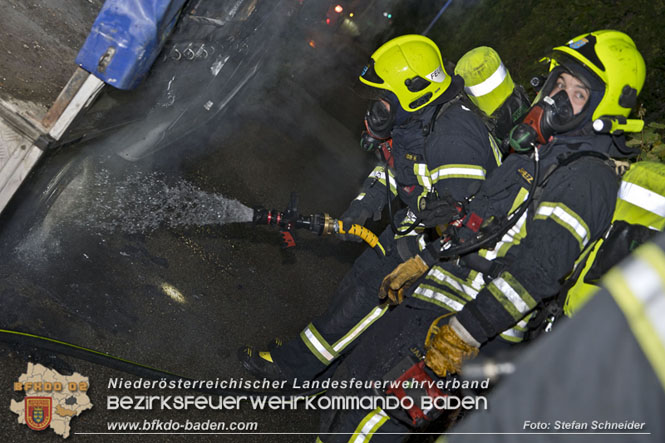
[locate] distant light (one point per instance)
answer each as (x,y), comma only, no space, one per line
(351,14)
(327,21)
(385,14)
(390,15)
(172,292)
(339,9)
(312,43)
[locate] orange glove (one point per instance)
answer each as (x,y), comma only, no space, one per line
(402,277)
(448,351)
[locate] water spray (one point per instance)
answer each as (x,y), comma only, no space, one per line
(321,224)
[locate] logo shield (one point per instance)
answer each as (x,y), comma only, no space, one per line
(38,412)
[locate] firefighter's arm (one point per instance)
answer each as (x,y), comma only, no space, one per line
(575,208)
(369,202)
(458,154)
(373,196)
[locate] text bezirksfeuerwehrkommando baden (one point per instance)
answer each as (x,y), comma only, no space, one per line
(290,401)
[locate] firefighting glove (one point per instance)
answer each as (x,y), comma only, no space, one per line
(356,214)
(449,350)
(438,211)
(401,278)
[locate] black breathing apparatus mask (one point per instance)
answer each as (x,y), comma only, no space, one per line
(381,119)
(379,122)
(549,116)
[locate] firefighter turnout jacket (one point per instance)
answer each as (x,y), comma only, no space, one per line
(438,149)
(572,206)
(603,373)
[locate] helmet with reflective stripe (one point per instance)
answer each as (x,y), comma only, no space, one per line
(613,58)
(487,82)
(411,67)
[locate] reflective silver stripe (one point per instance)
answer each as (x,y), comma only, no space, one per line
(360,196)
(317,344)
(428,293)
(478,281)
(456,171)
(379,173)
(489,85)
(508,237)
(511,294)
(423,174)
(647,285)
(566,218)
(440,276)
(373,421)
(408,220)
(359,328)
(516,333)
(410,216)
(642,197)
(513,333)
(422,244)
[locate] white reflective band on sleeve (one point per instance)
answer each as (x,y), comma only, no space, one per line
(440,276)
(445,171)
(565,217)
(510,294)
(646,284)
(360,196)
(508,237)
(318,345)
(422,172)
(410,216)
(642,197)
(421,243)
(359,328)
(428,293)
(420,169)
(478,282)
(488,85)
(380,174)
(373,421)
(513,333)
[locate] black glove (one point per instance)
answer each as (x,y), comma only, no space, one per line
(438,211)
(356,214)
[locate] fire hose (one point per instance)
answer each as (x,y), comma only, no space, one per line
(321,224)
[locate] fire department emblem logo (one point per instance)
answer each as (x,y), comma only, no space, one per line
(38,412)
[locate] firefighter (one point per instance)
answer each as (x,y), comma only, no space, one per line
(614,348)
(435,150)
(518,238)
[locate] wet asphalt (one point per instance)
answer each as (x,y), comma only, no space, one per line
(65,277)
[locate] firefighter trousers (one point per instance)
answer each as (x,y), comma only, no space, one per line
(381,349)
(392,341)
(354,308)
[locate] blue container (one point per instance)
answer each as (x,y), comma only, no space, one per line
(126,38)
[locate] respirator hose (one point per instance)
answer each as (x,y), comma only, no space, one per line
(512,218)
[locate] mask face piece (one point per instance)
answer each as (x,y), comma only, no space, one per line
(549,116)
(379,119)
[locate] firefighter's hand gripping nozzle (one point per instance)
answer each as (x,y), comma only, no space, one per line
(320,224)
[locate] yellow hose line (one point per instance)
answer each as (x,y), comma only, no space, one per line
(360,231)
